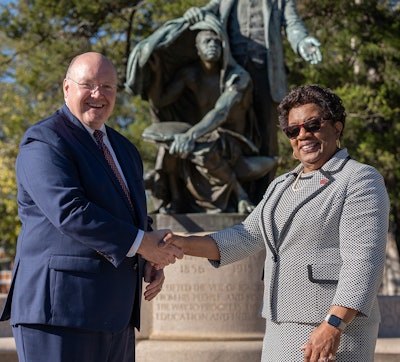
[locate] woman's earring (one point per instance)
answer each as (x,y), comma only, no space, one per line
(294,156)
(338,143)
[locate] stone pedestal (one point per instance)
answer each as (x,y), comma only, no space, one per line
(389,306)
(203,313)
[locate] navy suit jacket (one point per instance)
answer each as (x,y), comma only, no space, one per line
(71,267)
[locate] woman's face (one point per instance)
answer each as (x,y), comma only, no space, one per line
(313,149)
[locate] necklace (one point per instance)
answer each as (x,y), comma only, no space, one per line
(294,184)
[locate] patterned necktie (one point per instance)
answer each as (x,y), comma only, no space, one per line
(98,135)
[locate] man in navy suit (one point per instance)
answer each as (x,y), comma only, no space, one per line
(86,241)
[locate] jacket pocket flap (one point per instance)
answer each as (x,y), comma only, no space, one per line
(323,273)
(74,263)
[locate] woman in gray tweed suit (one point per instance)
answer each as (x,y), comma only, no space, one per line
(324,227)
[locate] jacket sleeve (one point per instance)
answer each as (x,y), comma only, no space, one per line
(363,234)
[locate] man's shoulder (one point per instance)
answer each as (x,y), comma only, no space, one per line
(52,130)
(47,124)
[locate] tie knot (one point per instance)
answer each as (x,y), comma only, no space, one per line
(98,135)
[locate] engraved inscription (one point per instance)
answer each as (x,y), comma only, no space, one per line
(207,301)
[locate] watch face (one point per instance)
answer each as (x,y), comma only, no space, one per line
(334,321)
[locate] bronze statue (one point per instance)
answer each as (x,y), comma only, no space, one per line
(201,101)
(255,32)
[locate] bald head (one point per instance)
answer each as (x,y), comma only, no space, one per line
(90,58)
(90,88)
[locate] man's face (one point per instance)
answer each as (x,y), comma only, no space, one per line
(90,90)
(209,46)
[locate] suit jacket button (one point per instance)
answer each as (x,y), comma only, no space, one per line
(135,266)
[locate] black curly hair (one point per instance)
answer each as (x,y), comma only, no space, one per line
(330,104)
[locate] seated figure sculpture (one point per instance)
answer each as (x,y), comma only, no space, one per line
(205,124)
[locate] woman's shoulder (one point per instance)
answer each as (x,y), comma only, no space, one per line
(363,169)
(342,163)
(361,176)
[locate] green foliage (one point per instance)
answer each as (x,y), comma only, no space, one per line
(360,44)
(10,132)
(9,223)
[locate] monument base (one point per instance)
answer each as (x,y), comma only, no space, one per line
(204,313)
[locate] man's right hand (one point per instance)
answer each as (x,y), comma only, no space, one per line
(159,257)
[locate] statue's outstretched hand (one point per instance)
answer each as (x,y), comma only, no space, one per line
(193,15)
(309,50)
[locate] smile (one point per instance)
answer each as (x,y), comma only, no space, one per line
(309,147)
(96,105)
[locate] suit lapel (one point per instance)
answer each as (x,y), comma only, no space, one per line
(84,138)
(322,179)
(124,162)
(269,205)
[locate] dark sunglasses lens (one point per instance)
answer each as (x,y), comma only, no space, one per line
(310,126)
(292,131)
(313,125)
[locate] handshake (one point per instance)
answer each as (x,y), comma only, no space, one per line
(162,247)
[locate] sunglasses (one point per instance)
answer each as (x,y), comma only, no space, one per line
(313,125)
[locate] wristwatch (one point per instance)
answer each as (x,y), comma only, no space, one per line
(335,321)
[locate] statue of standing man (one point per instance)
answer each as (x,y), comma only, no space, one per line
(254,30)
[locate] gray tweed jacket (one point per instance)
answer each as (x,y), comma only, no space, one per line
(326,248)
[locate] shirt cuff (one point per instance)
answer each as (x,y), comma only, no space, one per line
(135,246)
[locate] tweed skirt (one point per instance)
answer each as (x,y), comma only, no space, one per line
(282,342)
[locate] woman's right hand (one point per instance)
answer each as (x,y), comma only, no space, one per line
(172,239)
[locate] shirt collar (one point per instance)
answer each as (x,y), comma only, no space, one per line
(91,131)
